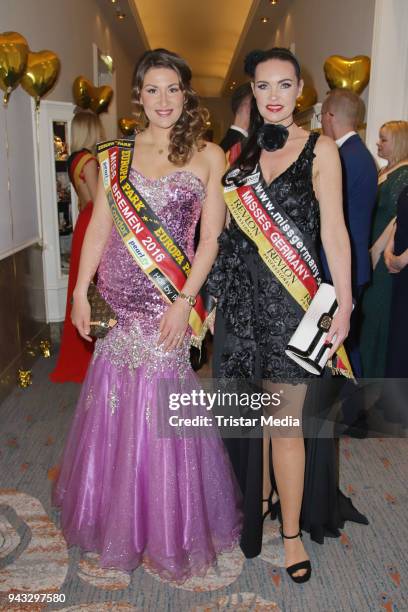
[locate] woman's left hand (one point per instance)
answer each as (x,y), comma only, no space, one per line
(394,263)
(173,325)
(339,330)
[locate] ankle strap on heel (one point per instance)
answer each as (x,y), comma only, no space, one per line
(298,535)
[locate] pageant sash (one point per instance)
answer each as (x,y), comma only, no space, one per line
(146,238)
(288,254)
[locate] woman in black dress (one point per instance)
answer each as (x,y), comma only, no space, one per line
(300,172)
(396,260)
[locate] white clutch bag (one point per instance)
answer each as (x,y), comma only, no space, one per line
(306,346)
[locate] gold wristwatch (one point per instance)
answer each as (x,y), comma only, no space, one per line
(189,298)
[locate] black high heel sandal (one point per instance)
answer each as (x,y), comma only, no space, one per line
(306,565)
(270,509)
(273,508)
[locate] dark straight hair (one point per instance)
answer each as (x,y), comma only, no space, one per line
(251,151)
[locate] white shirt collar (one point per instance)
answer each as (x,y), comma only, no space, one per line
(239,129)
(342,140)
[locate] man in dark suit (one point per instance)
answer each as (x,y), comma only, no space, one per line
(341,113)
(241,109)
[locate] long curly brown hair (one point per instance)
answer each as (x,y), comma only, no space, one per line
(187,133)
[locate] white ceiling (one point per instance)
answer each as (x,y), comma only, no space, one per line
(205,33)
(212,35)
(258,35)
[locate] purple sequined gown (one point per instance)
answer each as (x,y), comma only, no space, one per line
(126,492)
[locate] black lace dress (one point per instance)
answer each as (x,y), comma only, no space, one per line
(255,319)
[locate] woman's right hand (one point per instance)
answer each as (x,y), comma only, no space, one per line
(81,316)
(388,259)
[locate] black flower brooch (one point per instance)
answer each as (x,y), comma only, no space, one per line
(272,137)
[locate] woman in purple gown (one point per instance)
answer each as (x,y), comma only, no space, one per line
(128,489)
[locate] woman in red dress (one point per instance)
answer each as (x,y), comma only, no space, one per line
(86,130)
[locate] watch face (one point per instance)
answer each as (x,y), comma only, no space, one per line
(189,298)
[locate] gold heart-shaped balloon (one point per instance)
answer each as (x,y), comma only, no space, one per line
(13,61)
(81,90)
(307,98)
(347,73)
(86,95)
(127,126)
(101,98)
(41,73)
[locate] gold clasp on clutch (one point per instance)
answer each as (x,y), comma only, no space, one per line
(325,322)
(105,324)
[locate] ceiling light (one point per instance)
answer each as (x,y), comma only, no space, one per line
(271,1)
(120,15)
(264,19)
(113,1)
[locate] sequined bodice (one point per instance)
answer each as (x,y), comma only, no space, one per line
(177,199)
(139,307)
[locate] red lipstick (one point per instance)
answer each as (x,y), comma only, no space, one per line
(274,108)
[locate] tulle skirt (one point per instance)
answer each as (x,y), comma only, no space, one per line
(136,490)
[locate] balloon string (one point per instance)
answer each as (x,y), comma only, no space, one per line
(6,140)
(37,133)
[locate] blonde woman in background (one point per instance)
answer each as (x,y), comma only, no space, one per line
(86,130)
(392,179)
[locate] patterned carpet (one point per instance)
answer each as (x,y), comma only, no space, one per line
(364,570)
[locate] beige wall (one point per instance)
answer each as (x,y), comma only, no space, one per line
(320,28)
(69,27)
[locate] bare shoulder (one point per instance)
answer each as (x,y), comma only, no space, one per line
(213,153)
(326,146)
